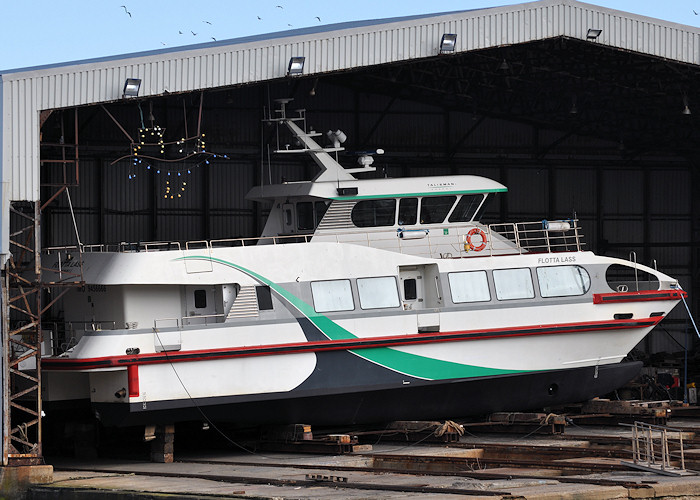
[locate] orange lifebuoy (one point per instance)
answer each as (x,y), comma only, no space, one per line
(482,245)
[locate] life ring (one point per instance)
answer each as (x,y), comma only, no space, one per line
(472,246)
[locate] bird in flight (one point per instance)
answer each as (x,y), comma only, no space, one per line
(124,7)
(695,12)
(280,7)
(179,32)
(206,22)
(213,38)
(319,19)
(259,18)
(193,33)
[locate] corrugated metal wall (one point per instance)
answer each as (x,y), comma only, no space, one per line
(26,93)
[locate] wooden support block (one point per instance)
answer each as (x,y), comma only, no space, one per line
(339,438)
(361,448)
(163,444)
(162,458)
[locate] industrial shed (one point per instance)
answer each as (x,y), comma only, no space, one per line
(580,110)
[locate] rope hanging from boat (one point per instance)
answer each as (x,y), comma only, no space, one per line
(692,320)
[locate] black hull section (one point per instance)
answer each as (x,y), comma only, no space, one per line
(431,400)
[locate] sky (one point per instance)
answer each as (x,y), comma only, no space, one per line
(40,32)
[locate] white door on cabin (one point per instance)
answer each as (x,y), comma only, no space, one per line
(287,218)
(420,291)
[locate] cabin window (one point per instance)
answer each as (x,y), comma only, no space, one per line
(408,211)
(264,298)
(470,286)
(410,289)
(200,299)
(434,209)
(330,296)
(378,293)
(374,213)
(626,278)
(513,284)
(563,281)
(466,208)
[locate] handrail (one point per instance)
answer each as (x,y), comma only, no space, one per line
(502,239)
(651,452)
(96,325)
(636,276)
(188,319)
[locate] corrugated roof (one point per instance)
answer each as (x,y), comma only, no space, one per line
(25,92)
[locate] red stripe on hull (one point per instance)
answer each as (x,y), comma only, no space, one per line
(646,295)
(345,344)
(132,372)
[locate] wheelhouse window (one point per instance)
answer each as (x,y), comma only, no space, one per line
(330,296)
(469,286)
(374,213)
(513,284)
(434,209)
(305,215)
(408,211)
(378,293)
(466,208)
(309,214)
(563,281)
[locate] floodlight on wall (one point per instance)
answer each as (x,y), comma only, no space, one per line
(448,43)
(593,34)
(296,66)
(131,87)
(686,108)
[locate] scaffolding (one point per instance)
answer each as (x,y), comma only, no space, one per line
(22,310)
(21,332)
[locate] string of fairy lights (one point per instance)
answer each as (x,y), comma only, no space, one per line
(175,160)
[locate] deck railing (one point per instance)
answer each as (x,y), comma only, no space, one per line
(447,241)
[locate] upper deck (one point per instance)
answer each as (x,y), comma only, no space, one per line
(440,242)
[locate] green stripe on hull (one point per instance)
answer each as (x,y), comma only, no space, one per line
(402,362)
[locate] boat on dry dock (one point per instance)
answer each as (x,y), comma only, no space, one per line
(363,300)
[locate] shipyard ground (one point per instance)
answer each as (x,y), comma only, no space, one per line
(578,462)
